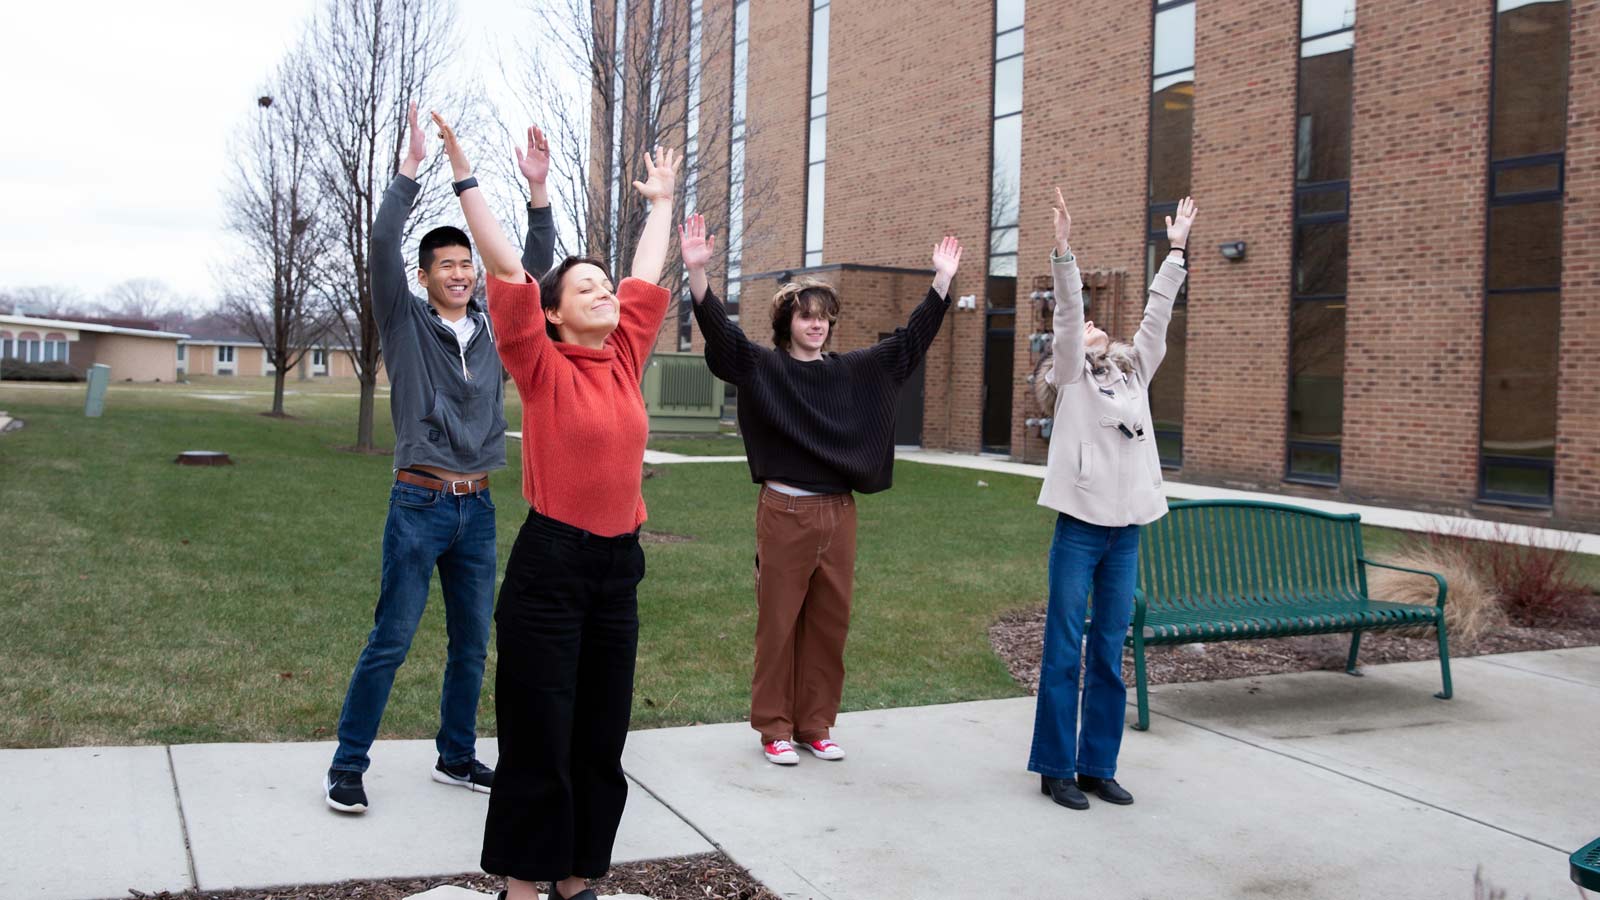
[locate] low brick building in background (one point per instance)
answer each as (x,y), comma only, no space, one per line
(1394,292)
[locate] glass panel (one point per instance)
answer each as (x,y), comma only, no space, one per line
(819,139)
(1169,446)
(1316,372)
(1003,240)
(1171,140)
(1315,202)
(1322,258)
(1174,40)
(1320,464)
(1527,179)
(738,99)
(998,361)
(819,105)
(1530,80)
(1521,342)
(1525,245)
(1006,186)
(1333,43)
(814,258)
(1004,266)
(1008,14)
(1530,483)
(814,185)
(1166,389)
(1323,16)
(1323,153)
(1002,294)
(1008,86)
(741,21)
(1008,44)
(1158,224)
(819,51)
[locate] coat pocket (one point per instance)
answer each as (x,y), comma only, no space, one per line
(1085,462)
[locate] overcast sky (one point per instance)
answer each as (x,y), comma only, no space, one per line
(119,116)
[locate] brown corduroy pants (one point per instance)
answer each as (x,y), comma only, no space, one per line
(805,573)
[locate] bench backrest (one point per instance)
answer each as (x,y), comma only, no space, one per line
(1240,552)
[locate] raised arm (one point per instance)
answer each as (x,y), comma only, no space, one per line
(538,253)
(729,354)
(389,285)
(499,256)
(900,352)
(650,256)
(1150,343)
(1066,344)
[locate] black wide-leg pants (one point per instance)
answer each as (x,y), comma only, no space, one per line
(567,632)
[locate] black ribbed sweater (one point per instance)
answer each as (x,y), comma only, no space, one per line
(826,425)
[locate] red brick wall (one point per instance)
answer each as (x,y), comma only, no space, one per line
(1416,236)
(1578,404)
(1246,57)
(776,148)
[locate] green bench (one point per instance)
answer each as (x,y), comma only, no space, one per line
(1231,570)
(1585,866)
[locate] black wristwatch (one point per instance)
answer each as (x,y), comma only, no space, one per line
(465,184)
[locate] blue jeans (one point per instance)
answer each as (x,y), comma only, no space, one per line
(1081,556)
(426,529)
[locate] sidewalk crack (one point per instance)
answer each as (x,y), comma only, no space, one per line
(183,821)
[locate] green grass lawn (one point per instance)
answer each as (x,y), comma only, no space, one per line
(151,603)
(726,444)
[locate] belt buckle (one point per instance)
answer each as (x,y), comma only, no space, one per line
(459,488)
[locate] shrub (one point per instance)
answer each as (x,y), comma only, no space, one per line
(16,370)
(1530,585)
(1471,608)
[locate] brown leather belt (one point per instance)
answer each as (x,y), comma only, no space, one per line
(438,484)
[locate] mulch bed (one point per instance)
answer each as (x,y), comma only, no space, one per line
(709,876)
(1018,638)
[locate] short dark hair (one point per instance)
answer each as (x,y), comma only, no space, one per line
(443,236)
(807,295)
(550,285)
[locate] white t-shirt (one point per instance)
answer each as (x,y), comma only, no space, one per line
(464,327)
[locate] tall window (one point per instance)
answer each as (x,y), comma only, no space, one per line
(691,158)
(1005,198)
(741,59)
(1171,148)
(1522,315)
(817,145)
(1321,241)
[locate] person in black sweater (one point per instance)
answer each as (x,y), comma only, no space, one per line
(817,426)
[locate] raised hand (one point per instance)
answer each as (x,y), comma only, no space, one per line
(416,147)
(661,175)
(946,260)
(1063,223)
(1178,229)
(534,163)
(460,169)
(697,246)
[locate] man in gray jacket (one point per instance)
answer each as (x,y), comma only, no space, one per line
(447,398)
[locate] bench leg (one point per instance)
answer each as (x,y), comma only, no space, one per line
(1355,647)
(1444,660)
(1141,687)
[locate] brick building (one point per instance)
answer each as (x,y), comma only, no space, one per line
(1408,312)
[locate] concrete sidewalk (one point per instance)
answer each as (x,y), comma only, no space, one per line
(1313,785)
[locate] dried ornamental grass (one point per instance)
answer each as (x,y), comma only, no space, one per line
(1471,608)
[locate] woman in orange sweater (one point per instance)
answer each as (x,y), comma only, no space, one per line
(568,622)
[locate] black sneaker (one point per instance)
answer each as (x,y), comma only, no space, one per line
(472,775)
(344,792)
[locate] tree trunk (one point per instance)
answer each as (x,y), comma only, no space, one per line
(277,391)
(369,389)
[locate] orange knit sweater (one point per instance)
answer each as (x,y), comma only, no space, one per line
(584,423)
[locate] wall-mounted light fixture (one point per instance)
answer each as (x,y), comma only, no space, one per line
(1233,250)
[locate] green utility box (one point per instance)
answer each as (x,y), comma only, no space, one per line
(681,394)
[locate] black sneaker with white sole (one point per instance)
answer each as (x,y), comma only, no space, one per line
(472,775)
(344,792)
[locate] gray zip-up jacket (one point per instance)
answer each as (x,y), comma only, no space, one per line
(1103,467)
(447,401)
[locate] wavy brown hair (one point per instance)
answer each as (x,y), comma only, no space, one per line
(809,296)
(550,286)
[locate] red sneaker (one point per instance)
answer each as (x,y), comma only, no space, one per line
(824,749)
(780,752)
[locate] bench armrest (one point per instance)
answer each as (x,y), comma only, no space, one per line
(1139,607)
(1443,588)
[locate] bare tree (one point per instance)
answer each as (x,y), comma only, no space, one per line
(140,298)
(608,80)
(273,206)
(42,301)
(367,59)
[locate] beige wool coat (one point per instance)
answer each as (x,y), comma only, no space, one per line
(1096,471)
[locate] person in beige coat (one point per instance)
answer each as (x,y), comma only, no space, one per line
(1103,479)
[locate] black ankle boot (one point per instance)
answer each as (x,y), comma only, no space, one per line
(1063,791)
(1106,789)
